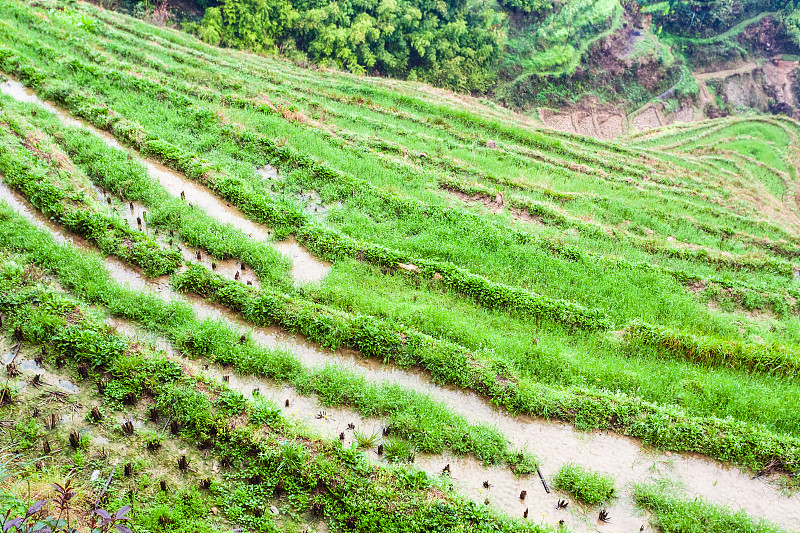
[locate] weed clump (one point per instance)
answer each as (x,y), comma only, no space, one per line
(585,485)
(398,451)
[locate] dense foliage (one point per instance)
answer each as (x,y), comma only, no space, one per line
(522,52)
(702,18)
(534,7)
(445,43)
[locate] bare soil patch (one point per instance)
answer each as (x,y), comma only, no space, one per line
(589,117)
(610,125)
(780,78)
(647,119)
(744,90)
(561,121)
(585,124)
(685,113)
(495,203)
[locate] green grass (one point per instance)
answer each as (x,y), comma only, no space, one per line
(428,424)
(273,455)
(69,205)
(676,514)
(556,44)
(688,234)
(589,487)
(571,279)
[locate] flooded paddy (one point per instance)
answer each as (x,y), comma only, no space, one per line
(305,267)
(554,443)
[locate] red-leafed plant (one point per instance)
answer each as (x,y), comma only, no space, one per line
(33,520)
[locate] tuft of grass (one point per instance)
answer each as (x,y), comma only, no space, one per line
(585,485)
(365,441)
(398,451)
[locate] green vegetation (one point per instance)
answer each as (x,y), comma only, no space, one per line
(589,487)
(428,424)
(450,44)
(586,284)
(334,483)
(675,514)
(718,17)
(647,286)
(522,53)
(559,42)
(716,352)
(112,170)
(68,207)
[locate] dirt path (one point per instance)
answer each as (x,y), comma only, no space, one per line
(722,74)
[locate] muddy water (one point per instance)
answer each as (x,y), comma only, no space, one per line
(328,422)
(467,474)
(307,267)
(119,271)
(314,356)
(314,205)
(24,208)
(133,213)
(505,489)
(554,443)
(23,364)
(197,195)
(228,268)
(19,92)
(267,172)
(136,216)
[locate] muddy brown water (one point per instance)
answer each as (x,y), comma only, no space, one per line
(135,214)
(554,443)
(26,365)
(118,270)
(267,172)
(305,267)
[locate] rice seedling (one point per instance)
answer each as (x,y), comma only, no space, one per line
(633,286)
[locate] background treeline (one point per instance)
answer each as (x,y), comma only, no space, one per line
(444,42)
(707,18)
(498,47)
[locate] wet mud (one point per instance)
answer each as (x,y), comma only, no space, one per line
(554,443)
(305,267)
(136,216)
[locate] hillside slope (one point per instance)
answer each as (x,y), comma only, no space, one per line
(625,65)
(483,294)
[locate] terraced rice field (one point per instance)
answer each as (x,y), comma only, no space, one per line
(367,305)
